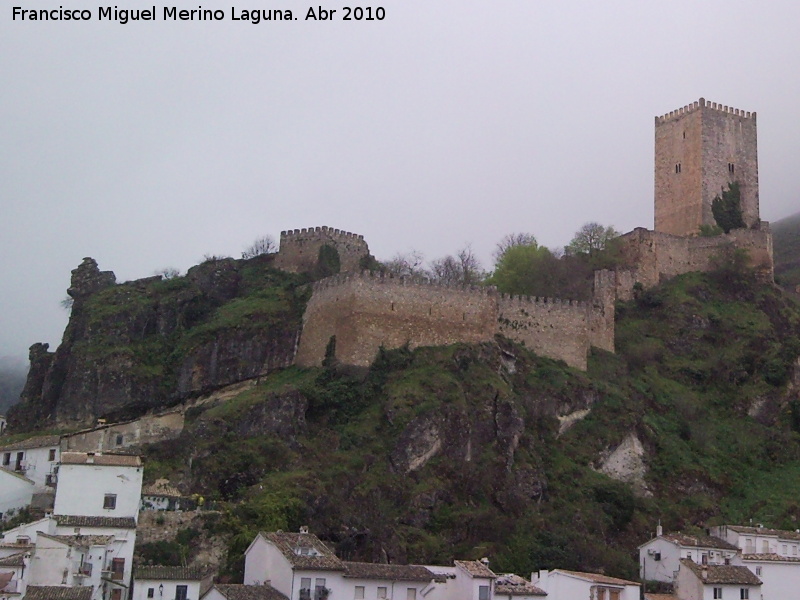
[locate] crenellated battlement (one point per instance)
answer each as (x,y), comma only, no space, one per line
(323,231)
(702,103)
(542,301)
(387,279)
(299,248)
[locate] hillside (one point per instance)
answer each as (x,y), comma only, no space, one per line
(786,242)
(455,451)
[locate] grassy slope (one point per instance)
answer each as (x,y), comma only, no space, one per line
(786,241)
(701,376)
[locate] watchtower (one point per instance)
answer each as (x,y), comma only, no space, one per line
(700,149)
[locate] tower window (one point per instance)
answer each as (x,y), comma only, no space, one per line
(678,168)
(731,168)
(684,135)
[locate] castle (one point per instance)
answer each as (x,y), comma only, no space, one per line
(699,150)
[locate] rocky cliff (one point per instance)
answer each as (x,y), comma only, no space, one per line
(154,342)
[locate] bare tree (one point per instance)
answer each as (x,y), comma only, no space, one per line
(462,269)
(407,264)
(67,302)
(168,273)
(511,240)
(263,245)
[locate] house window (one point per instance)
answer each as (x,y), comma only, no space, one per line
(704,558)
(305,588)
(320,591)
(51,456)
(110,501)
(359,592)
(785,549)
(151,592)
(744,593)
(601,594)
(6,459)
(758,571)
(613,594)
(181,591)
(717,593)
(116,594)
(411,594)
(119,439)
(749,546)
(794,550)
(382,593)
(483,592)
(765,547)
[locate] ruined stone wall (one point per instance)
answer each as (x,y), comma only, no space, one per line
(299,249)
(699,150)
(365,312)
(146,430)
(655,256)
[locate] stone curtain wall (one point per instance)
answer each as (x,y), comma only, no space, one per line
(299,249)
(366,311)
(702,139)
(655,256)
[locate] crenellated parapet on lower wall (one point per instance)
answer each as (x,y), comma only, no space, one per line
(366,311)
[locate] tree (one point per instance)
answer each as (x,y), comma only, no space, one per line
(591,239)
(168,273)
(407,264)
(512,240)
(263,245)
(462,269)
(526,269)
(727,210)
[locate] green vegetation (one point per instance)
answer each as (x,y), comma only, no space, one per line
(727,209)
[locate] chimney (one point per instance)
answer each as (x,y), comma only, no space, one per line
(705,573)
(90,457)
(485,562)
(304,529)
(659,530)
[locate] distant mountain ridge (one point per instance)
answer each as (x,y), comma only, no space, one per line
(786,247)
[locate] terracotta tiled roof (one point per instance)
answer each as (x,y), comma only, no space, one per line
(304,551)
(39,441)
(161,487)
(781,533)
(80,541)
(730,574)
(475,568)
(168,573)
(5,578)
(14,560)
(514,585)
(103,460)
(699,541)
(597,578)
(57,592)
(771,557)
(362,570)
(249,592)
(82,521)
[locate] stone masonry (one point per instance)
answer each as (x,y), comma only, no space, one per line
(299,249)
(366,312)
(699,150)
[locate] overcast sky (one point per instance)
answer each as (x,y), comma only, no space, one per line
(150,144)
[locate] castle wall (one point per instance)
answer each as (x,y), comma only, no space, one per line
(365,312)
(656,256)
(699,150)
(550,327)
(299,249)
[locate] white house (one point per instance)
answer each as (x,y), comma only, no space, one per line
(716,582)
(12,568)
(36,458)
(99,485)
(771,554)
(560,584)
(659,559)
(16,492)
(301,567)
(242,592)
(169,583)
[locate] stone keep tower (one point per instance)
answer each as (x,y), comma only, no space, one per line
(700,149)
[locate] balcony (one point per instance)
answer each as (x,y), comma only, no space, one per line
(83,570)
